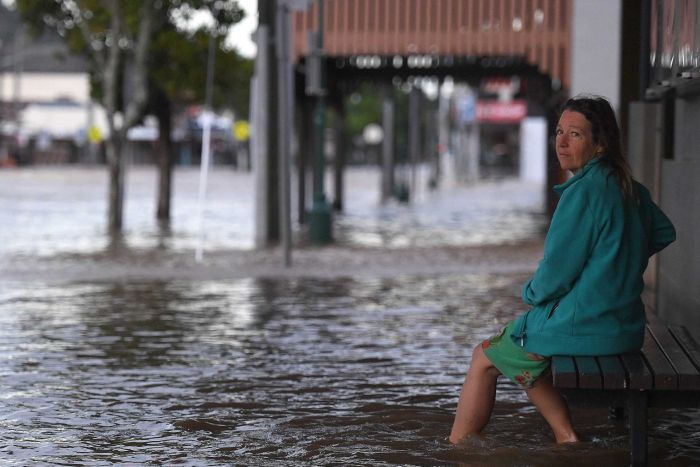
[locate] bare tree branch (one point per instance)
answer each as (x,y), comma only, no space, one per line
(112,66)
(140,55)
(97,55)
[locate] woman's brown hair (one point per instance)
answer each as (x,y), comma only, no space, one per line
(606,133)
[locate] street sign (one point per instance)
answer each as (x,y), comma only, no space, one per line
(94,135)
(241,130)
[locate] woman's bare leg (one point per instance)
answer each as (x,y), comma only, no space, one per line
(477,397)
(553,408)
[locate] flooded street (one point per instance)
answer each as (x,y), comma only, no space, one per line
(355,357)
(61,210)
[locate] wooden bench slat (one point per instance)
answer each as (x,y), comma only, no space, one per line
(588,373)
(665,376)
(691,348)
(564,372)
(638,373)
(688,376)
(613,372)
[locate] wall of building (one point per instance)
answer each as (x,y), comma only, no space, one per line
(533,150)
(595,48)
(539,31)
(679,268)
(43,87)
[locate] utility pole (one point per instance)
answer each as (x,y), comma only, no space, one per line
(320,230)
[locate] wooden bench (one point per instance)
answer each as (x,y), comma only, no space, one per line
(666,373)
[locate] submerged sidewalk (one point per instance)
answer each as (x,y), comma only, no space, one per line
(322,262)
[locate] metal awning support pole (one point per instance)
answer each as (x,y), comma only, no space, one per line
(320,228)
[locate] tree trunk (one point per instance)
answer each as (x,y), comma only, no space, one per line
(164,151)
(116,183)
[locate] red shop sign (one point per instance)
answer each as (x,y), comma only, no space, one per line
(501,112)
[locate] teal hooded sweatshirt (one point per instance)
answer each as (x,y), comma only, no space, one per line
(586,290)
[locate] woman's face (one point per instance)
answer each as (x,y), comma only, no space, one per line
(574,144)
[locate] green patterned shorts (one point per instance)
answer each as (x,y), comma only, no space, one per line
(512,361)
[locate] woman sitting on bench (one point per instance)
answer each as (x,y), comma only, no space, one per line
(585,293)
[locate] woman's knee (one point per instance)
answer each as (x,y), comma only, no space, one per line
(481,363)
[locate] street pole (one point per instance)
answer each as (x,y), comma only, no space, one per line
(320,215)
(284,83)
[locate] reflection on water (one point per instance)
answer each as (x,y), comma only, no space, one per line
(263,372)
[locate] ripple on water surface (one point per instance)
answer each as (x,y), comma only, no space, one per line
(262,372)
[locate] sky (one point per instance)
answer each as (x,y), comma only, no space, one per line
(240,36)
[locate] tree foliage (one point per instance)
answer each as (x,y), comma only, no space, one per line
(363,106)
(133,46)
(180,71)
(176,58)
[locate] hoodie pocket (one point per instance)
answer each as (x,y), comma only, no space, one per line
(554,308)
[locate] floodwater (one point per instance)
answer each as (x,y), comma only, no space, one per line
(286,371)
(61,210)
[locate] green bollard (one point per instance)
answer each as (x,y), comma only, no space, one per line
(320,224)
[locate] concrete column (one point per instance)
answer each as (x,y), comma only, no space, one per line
(259,138)
(468,153)
(591,53)
(305,148)
(414,136)
(339,160)
(267,225)
(474,149)
(388,143)
(533,150)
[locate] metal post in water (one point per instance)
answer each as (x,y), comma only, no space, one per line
(206,139)
(320,227)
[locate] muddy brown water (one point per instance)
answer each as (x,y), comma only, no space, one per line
(277,371)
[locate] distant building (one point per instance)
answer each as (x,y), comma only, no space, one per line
(46,113)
